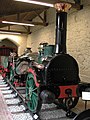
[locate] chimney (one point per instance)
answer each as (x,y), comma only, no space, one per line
(61,27)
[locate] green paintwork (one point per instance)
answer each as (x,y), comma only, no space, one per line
(4,61)
(11,75)
(48,50)
(45,52)
(31,93)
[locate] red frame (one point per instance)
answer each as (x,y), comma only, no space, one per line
(62,88)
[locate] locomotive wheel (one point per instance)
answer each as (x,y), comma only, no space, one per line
(32,95)
(11,76)
(66,102)
(85,115)
(72,103)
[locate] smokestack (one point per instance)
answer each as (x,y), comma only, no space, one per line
(61,27)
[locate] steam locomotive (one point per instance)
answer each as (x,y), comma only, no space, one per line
(54,77)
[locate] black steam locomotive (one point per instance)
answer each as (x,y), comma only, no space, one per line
(54,77)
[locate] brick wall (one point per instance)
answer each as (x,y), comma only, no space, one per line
(78,36)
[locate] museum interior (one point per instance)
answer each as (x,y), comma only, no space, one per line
(45,60)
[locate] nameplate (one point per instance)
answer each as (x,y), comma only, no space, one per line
(85,95)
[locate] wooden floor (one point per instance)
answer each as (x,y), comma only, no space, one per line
(81,105)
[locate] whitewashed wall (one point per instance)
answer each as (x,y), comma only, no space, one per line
(19,40)
(43,34)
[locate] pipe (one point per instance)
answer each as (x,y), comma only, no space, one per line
(61,27)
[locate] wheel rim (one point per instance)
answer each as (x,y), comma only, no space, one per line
(65,102)
(11,76)
(31,93)
(73,102)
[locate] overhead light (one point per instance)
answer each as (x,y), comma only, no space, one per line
(17,23)
(5,32)
(36,2)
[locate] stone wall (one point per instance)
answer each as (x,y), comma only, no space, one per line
(78,36)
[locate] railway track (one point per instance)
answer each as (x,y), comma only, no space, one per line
(16,105)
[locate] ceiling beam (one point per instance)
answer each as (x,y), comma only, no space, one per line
(77,6)
(26,15)
(27,29)
(18,16)
(42,18)
(24,11)
(25,22)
